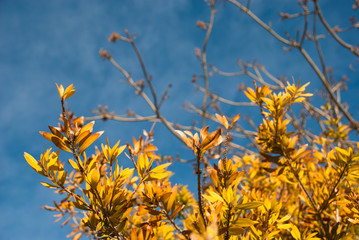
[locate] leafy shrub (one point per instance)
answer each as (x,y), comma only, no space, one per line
(290,183)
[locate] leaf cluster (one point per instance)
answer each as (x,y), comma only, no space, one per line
(288,191)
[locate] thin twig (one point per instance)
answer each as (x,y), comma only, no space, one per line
(354,124)
(348,46)
(216,97)
(143,67)
(204,63)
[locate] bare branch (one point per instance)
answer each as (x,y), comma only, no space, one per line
(353,49)
(354,124)
(204,62)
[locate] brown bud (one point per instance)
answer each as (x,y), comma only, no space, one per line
(201,25)
(114,37)
(104,54)
(336,28)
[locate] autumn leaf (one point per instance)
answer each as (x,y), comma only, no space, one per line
(89,141)
(32,162)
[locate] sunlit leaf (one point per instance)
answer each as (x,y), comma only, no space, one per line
(60,143)
(212,140)
(49,185)
(74,164)
(32,162)
(235,230)
(295,233)
(223,120)
(244,222)
(89,141)
(69,91)
(250,205)
(60,89)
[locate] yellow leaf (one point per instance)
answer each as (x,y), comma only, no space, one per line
(120,149)
(60,89)
(188,141)
(176,211)
(157,176)
(299,99)
(69,91)
(251,95)
(204,132)
(60,143)
(236,230)
(244,222)
(250,205)
(235,119)
(87,127)
(223,120)
(213,139)
(49,185)
(74,165)
(142,164)
(89,141)
(133,234)
(284,226)
(95,177)
(160,168)
(77,236)
(55,131)
(172,198)
(213,196)
(295,233)
(46,135)
(272,234)
(82,137)
(80,205)
(32,162)
(285,218)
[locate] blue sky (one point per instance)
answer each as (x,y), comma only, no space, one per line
(46,42)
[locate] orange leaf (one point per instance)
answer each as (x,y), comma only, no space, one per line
(60,143)
(204,132)
(172,198)
(82,137)
(55,131)
(49,185)
(235,119)
(89,141)
(212,140)
(77,236)
(47,135)
(87,127)
(69,91)
(223,120)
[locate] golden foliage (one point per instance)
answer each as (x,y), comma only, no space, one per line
(288,191)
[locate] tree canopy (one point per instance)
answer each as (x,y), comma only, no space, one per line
(289,171)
